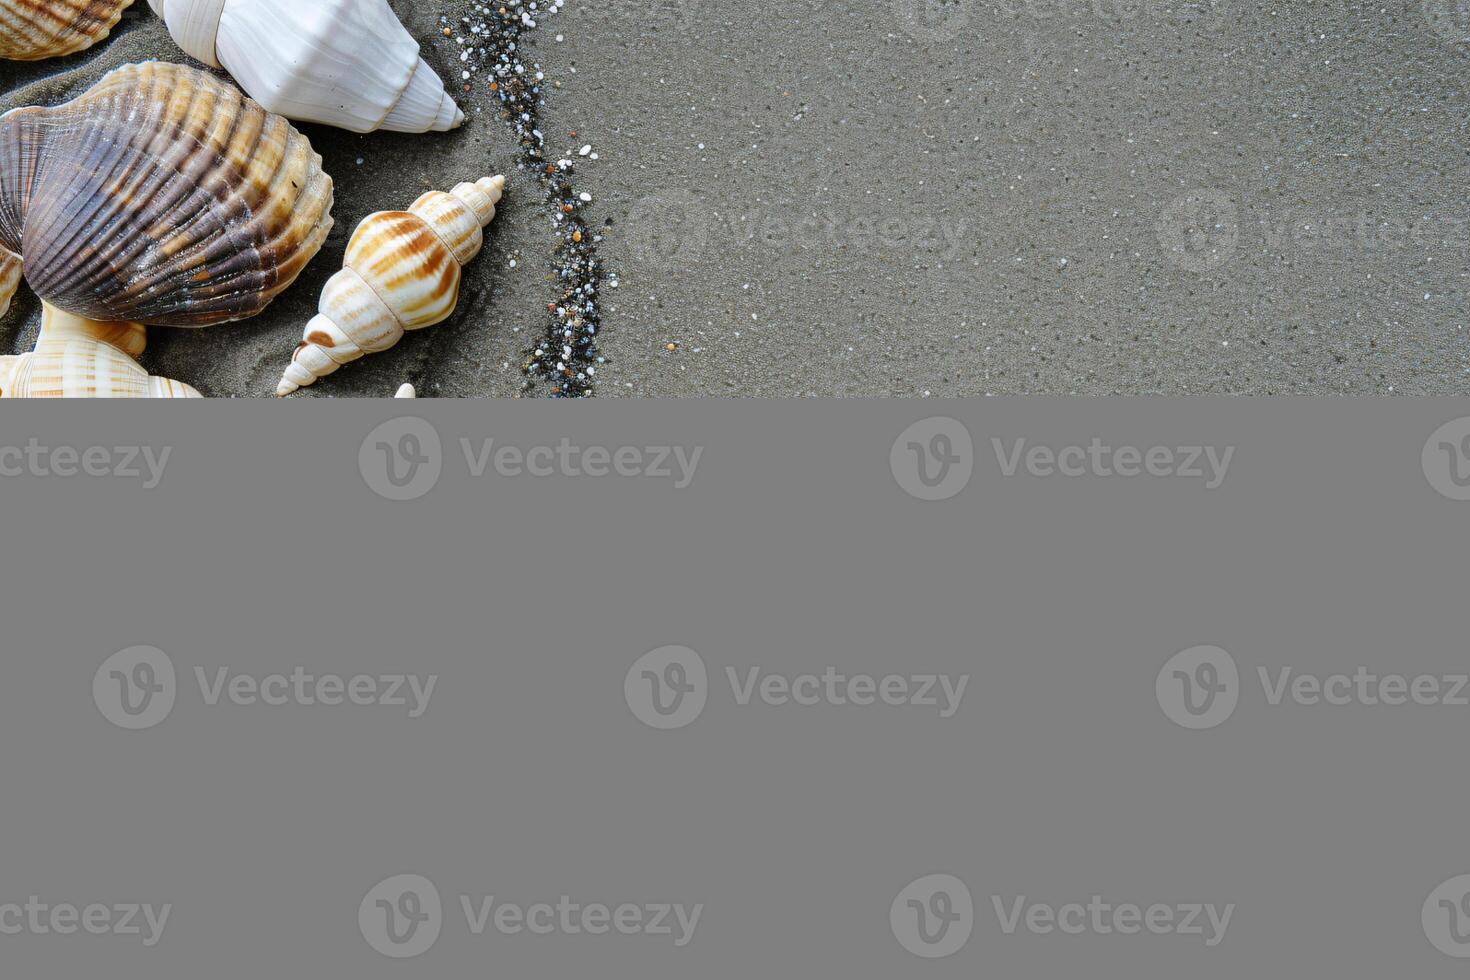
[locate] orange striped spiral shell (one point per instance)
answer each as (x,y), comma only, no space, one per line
(401,272)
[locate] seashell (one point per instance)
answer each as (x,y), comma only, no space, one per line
(406,390)
(160,196)
(347,63)
(401,272)
(80,358)
(34,29)
(10,268)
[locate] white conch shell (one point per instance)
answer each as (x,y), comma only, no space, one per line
(346,63)
(401,272)
(406,390)
(80,358)
(34,29)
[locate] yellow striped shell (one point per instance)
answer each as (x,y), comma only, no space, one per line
(162,196)
(34,29)
(10,266)
(401,272)
(76,358)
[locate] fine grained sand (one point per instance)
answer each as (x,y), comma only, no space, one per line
(954,197)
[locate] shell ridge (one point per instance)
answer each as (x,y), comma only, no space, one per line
(84,219)
(195,229)
(52,218)
(434,225)
(362,246)
(35,29)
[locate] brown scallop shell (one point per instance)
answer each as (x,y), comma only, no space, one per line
(163,196)
(34,29)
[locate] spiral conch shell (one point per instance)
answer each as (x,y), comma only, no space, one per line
(346,63)
(160,196)
(34,29)
(78,358)
(401,272)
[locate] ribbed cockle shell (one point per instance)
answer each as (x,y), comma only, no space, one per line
(347,63)
(34,29)
(77,358)
(401,272)
(162,196)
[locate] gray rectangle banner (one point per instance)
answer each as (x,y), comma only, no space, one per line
(1033,687)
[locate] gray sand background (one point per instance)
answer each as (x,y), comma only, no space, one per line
(946,197)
